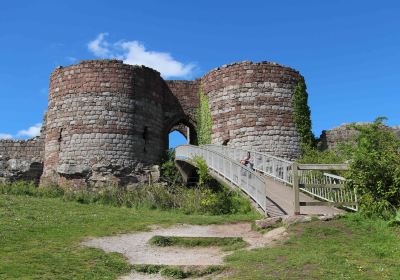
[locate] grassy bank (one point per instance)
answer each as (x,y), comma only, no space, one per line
(349,248)
(40,239)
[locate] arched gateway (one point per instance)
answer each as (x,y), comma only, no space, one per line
(108,122)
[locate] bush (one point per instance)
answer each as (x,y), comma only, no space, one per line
(169,172)
(375,169)
(202,170)
(315,156)
(198,200)
(374,159)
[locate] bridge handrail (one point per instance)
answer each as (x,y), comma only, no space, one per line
(251,151)
(311,179)
(229,169)
(276,167)
(328,187)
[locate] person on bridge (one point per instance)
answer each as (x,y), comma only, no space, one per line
(246,160)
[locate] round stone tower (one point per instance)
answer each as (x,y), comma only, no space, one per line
(251,107)
(104,124)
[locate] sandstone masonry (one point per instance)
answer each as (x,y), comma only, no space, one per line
(345,133)
(108,122)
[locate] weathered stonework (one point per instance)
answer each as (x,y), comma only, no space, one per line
(104,124)
(345,133)
(21,160)
(108,122)
(251,105)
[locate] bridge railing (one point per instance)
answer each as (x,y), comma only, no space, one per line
(278,168)
(313,179)
(229,169)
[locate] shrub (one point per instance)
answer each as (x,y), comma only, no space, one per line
(315,156)
(202,170)
(375,169)
(198,200)
(169,172)
(374,159)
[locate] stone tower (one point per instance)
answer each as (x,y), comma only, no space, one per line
(108,122)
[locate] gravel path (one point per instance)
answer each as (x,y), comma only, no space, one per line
(137,250)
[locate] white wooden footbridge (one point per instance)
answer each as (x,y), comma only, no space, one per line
(277,186)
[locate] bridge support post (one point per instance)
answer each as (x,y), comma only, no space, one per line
(296,194)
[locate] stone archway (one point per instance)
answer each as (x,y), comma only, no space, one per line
(184,126)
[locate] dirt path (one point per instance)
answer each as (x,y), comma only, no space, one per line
(136,248)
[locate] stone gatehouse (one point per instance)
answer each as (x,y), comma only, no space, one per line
(108,122)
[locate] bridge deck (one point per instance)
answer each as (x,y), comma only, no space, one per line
(280,201)
(260,182)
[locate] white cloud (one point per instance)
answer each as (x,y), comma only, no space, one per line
(5,136)
(100,47)
(135,53)
(32,131)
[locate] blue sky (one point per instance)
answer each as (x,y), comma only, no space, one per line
(348,51)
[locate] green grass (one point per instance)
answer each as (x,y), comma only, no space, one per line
(40,237)
(179,272)
(227,243)
(348,248)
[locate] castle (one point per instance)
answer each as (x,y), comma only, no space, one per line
(108,122)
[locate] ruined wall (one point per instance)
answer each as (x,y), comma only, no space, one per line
(345,133)
(251,105)
(104,124)
(21,160)
(396,130)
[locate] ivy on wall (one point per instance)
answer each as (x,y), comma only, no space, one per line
(302,115)
(203,120)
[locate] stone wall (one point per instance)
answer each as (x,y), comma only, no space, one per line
(21,160)
(345,133)
(108,122)
(104,124)
(251,105)
(396,130)
(181,99)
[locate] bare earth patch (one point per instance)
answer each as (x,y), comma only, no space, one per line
(136,248)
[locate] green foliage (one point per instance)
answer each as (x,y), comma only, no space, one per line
(374,159)
(148,268)
(30,189)
(302,115)
(375,169)
(198,200)
(314,156)
(169,171)
(203,120)
(225,242)
(174,272)
(177,272)
(202,170)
